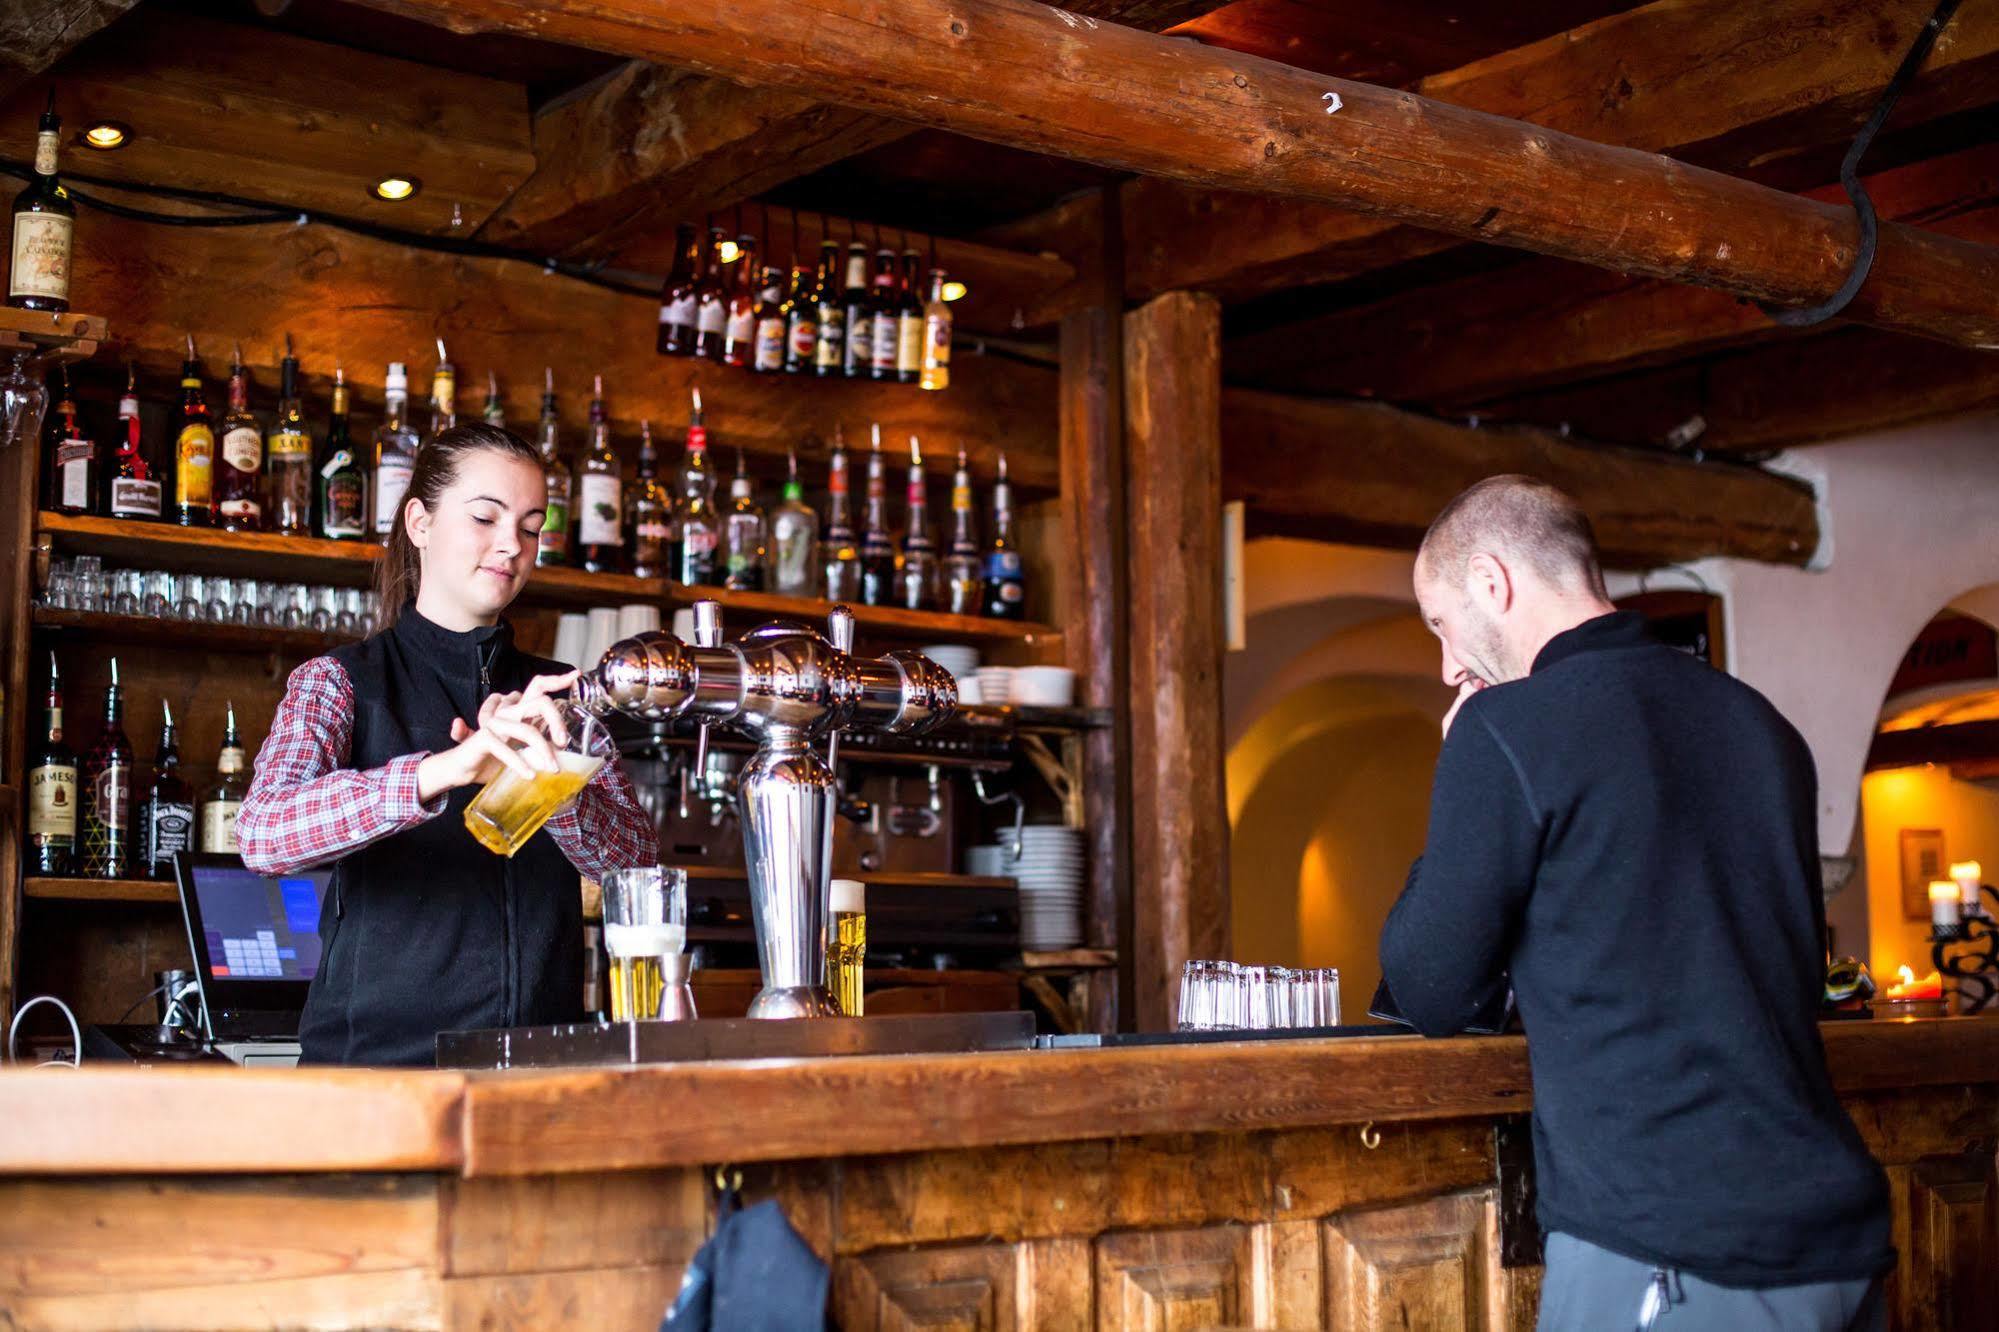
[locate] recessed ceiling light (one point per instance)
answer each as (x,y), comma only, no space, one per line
(954,291)
(396,187)
(727,252)
(106,135)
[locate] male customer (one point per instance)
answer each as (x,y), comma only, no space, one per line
(1630,836)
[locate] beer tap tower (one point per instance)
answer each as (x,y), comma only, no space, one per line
(784,684)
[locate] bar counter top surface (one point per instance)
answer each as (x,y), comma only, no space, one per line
(109,1120)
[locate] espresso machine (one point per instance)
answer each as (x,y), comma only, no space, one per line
(787,686)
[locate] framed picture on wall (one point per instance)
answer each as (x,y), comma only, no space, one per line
(1923,863)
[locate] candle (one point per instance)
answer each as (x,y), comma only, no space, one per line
(1908,987)
(1968,875)
(1944,912)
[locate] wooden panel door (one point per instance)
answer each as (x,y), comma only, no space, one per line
(1429,1264)
(1951,1245)
(1166,1280)
(956,1288)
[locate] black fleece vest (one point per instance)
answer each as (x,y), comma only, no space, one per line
(426,930)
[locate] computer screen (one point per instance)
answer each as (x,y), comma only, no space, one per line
(259,928)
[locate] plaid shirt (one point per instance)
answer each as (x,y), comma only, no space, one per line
(306,807)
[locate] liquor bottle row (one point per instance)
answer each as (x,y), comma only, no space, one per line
(86,818)
(810,322)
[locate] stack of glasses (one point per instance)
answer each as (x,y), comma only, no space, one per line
(84,584)
(1226,996)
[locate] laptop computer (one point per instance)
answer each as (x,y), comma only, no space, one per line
(256,946)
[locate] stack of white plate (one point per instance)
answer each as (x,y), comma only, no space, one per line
(960,661)
(1050,874)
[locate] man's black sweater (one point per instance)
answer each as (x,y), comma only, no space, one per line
(1631,834)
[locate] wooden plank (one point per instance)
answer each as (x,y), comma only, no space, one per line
(1179,821)
(1366,473)
(101,890)
(320,137)
(624,1297)
(571,1223)
(34,34)
(407,1299)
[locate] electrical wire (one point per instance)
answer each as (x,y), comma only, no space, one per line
(75,1032)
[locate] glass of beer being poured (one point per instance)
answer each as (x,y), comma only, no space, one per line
(645,932)
(510,809)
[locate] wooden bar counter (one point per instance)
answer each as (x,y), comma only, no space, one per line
(1334,1183)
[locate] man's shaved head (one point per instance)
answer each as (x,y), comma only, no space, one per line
(1527,523)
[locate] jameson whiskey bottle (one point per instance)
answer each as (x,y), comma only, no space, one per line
(677,296)
(52,793)
(877,547)
(343,486)
(649,514)
(107,792)
(239,503)
(700,526)
(600,508)
(1006,588)
(168,819)
(72,456)
(839,553)
(218,810)
(554,542)
(288,468)
(44,228)
(828,350)
(964,582)
(135,491)
(194,449)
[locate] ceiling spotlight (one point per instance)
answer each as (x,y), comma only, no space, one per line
(396,187)
(727,252)
(954,291)
(106,135)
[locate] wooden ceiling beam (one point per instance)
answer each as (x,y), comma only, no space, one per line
(1375,475)
(1046,80)
(34,34)
(1545,322)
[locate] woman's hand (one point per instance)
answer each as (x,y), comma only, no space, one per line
(517,732)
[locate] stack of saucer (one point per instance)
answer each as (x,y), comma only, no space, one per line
(1050,874)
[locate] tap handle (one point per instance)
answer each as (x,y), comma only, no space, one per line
(708,624)
(840,627)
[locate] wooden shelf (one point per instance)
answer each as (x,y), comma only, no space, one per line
(1071,959)
(70,335)
(101,890)
(189,633)
(207,550)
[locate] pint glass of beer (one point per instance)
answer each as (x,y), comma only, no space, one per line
(847,943)
(510,809)
(645,932)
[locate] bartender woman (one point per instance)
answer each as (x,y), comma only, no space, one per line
(378,747)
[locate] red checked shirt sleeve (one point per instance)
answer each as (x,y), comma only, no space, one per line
(305,806)
(606,829)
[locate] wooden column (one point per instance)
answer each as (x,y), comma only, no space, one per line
(1179,821)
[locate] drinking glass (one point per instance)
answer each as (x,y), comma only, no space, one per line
(510,809)
(192,603)
(325,607)
(221,598)
(127,587)
(23,398)
(161,595)
(645,933)
(87,589)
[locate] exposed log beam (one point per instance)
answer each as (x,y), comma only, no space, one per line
(1748,89)
(1545,322)
(34,34)
(1033,77)
(1374,475)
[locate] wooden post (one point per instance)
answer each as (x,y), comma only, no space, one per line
(1179,820)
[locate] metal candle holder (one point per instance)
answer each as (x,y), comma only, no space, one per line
(1974,965)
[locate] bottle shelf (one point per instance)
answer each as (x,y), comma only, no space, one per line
(206,550)
(70,335)
(111,628)
(100,890)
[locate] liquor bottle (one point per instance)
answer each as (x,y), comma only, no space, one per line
(107,792)
(239,480)
(1006,589)
(600,509)
(135,491)
(72,455)
(963,581)
(343,485)
(289,465)
(936,372)
(677,295)
(839,555)
(395,452)
(885,301)
(553,547)
(772,317)
(700,526)
(794,538)
(443,394)
(858,314)
(909,322)
(918,585)
(219,806)
(649,514)
(739,333)
(52,793)
(711,302)
(194,449)
(168,821)
(745,535)
(829,350)
(495,412)
(801,322)
(44,228)
(877,547)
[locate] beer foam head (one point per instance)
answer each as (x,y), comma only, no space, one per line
(850,896)
(644,940)
(584,765)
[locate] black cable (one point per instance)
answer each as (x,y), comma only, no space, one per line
(1849,179)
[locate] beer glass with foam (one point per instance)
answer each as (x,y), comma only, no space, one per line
(645,933)
(847,943)
(510,809)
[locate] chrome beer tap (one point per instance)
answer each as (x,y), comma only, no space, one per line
(783,683)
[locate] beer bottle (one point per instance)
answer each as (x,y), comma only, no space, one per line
(52,793)
(936,371)
(886,303)
(828,352)
(677,295)
(239,480)
(194,449)
(711,302)
(909,322)
(600,508)
(740,332)
(72,455)
(877,547)
(218,809)
(107,792)
(767,358)
(168,821)
(135,491)
(801,322)
(859,314)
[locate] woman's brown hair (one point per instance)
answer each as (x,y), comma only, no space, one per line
(437,464)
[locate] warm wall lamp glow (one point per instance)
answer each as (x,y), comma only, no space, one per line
(727,251)
(106,135)
(954,291)
(396,187)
